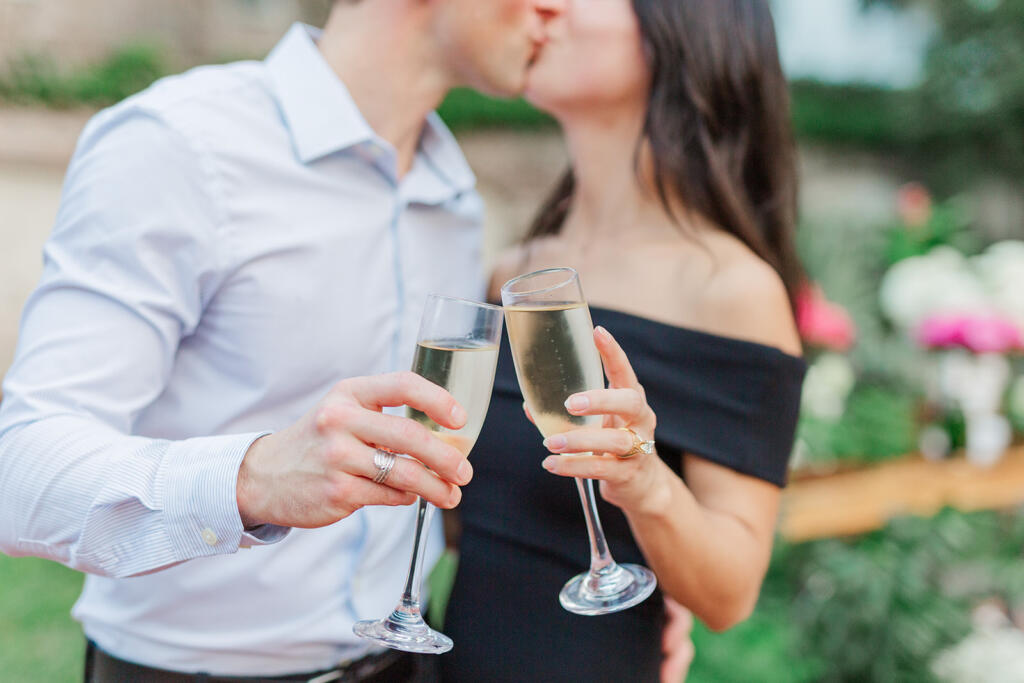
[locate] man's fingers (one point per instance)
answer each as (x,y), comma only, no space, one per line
(406,476)
(407,388)
(616,364)
(406,436)
(359,492)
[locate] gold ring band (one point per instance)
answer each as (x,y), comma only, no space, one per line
(639,445)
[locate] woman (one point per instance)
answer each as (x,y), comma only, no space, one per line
(678,213)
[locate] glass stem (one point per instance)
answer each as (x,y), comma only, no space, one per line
(600,558)
(410,603)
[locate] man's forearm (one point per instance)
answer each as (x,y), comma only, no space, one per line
(76,491)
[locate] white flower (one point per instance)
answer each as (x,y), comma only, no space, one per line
(828,384)
(989,655)
(1001,270)
(939,281)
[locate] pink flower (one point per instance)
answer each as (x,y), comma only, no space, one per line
(914,205)
(822,323)
(980,333)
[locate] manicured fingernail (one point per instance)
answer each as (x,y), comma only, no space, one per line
(458,414)
(556,443)
(549,464)
(577,403)
(603,333)
(465,472)
(456,497)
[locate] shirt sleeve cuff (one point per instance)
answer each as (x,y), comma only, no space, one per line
(199,485)
(264,534)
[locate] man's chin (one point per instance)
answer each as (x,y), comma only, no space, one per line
(510,85)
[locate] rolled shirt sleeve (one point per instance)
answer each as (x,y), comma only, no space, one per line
(133,260)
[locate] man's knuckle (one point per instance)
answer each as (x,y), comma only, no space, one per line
(341,493)
(411,434)
(406,381)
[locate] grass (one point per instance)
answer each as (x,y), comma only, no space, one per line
(39,642)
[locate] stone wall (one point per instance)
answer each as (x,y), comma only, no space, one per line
(190,31)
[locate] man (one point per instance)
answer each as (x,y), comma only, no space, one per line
(240,258)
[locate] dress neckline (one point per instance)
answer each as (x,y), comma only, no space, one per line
(695,333)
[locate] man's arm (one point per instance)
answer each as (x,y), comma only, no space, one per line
(130,266)
(127,269)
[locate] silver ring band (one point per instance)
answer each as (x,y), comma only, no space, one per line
(384,462)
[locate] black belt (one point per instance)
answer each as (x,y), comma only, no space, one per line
(386,667)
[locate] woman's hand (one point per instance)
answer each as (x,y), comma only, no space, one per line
(633,483)
(676,643)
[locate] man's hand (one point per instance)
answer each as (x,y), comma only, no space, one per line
(676,643)
(320,469)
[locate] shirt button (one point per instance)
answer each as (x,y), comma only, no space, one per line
(210,537)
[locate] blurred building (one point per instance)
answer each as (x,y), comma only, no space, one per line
(189,31)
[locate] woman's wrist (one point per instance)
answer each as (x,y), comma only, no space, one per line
(655,499)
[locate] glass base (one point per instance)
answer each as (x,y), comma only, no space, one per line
(406,632)
(611,589)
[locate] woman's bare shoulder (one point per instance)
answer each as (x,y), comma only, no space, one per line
(746,298)
(509,264)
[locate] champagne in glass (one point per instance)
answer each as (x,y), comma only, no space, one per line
(466,369)
(552,340)
(457,349)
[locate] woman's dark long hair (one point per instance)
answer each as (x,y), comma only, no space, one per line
(718,124)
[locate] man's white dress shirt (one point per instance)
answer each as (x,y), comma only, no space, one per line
(230,244)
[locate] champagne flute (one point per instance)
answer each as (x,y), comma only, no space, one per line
(457,348)
(552,340)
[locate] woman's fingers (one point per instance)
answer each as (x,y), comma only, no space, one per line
(676,666)
(616,364)
(589,467)
(678,626)
(627,404)
(593,440)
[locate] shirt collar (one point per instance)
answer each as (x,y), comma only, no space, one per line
(319,111)
(323,118)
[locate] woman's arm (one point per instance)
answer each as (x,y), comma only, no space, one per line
(709,539)
(709,543)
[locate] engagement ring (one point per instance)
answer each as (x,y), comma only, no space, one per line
(639,445)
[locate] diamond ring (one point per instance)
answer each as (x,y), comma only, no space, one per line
(639,445)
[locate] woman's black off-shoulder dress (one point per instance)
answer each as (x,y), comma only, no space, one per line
(732,402)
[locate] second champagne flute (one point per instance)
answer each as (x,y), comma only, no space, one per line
(552,341)
(457,348)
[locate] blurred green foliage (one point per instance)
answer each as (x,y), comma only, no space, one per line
(878,424)
(969,111)
(948,225)
(966,117)
(466,109)
(37,79)
(879,607)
